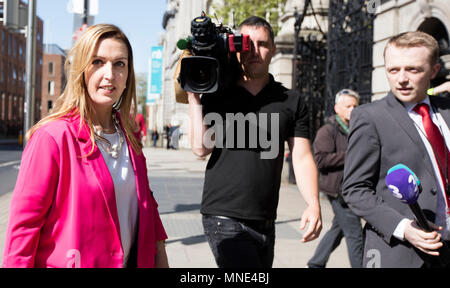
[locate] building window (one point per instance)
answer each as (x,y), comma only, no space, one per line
(10,100)
(9,44)
(15,108)
(21,108)
(51,87)
(49,105)
(3,41)
(3,113)
(50,68)
(14,47)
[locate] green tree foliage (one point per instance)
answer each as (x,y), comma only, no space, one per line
(240,10)
(141,92)
(267,9)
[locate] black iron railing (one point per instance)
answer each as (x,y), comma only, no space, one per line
(349,57)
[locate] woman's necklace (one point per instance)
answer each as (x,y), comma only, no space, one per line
(112,150)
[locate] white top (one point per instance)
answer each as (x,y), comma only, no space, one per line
(441,217)
(121,170)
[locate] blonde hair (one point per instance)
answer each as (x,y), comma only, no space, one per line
(416,39)
(75,98)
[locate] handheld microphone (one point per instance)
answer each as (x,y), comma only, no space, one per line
(405,186)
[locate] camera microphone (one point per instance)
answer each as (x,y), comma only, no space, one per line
(184,43)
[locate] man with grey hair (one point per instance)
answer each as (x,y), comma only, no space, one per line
(329,152)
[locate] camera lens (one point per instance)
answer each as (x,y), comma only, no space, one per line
(202,78)
(199,74)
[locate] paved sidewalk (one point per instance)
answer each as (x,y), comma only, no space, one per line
(176,178)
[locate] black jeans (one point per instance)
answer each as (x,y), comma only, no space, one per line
(345,224)
(239,242)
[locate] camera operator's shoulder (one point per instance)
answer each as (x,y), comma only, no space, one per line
(292,93)
(278,88)
(294,98)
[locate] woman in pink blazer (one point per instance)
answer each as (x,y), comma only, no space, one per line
(82,197)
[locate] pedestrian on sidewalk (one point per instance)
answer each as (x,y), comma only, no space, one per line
(142,128)
(242,181)
(329,152)
(155,136)
(168,134)
(82,197)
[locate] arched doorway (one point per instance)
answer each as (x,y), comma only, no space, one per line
(437,29)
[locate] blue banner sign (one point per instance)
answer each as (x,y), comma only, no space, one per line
(154,90)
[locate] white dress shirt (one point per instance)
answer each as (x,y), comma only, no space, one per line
(441,215)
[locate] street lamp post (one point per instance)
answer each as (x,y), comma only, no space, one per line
(30,68)
(85,12)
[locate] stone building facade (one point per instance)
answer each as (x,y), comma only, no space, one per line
(391,17)
(13,78)
(397,16)
(166,110)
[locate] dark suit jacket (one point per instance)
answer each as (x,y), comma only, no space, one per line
(381,136)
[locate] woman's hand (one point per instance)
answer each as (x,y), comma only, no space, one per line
(161,260)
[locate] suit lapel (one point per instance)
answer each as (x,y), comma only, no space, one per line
(397,111)
(98,166)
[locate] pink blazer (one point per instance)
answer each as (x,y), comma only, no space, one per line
(63,210)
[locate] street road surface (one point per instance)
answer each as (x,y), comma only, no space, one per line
(9,167)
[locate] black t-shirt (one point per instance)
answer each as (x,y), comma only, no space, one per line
(243,174)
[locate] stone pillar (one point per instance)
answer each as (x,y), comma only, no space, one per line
(281,65)
(399,16)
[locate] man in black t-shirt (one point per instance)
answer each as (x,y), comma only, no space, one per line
(245,127)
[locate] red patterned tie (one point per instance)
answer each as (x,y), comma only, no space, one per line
(437,141)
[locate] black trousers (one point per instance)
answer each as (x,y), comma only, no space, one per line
(345,224)
(240,243)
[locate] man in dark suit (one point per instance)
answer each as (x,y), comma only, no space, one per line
(397,130)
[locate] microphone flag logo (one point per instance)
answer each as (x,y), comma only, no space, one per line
(403,184)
